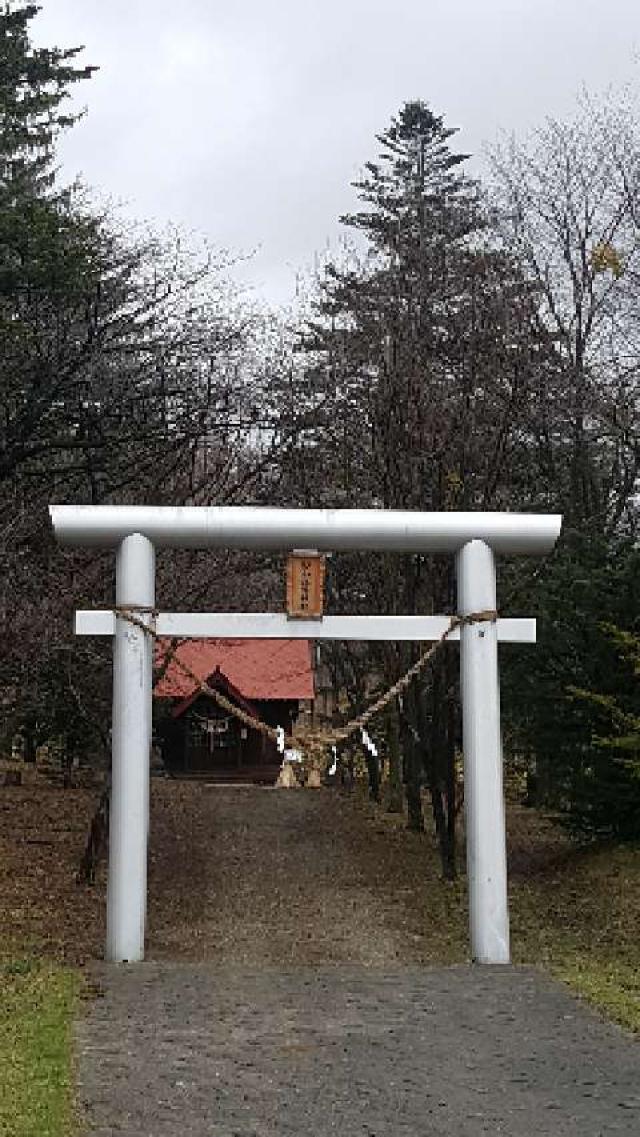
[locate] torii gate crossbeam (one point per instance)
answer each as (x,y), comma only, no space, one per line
(474,538)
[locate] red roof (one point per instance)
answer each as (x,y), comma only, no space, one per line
(259,669)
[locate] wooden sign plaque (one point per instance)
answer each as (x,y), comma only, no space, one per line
(305,585)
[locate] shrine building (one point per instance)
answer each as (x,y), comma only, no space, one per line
(270,680)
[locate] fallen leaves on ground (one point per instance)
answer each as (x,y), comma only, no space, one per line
(270,877)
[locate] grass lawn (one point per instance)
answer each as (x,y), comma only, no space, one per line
(574,911)
(580,920)
(37,1002)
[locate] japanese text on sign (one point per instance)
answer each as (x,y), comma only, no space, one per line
(305,586)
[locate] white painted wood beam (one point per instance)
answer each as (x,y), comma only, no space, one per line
(276,626)
(260,527)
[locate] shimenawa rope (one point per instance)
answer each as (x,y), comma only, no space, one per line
(313,741)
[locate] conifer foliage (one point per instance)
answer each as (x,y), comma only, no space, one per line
(466,360)
(35,83)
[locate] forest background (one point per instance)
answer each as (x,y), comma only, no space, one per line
(475,345)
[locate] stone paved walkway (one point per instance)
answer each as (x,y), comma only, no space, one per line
(189,1049)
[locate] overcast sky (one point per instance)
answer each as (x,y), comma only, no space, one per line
(246,120)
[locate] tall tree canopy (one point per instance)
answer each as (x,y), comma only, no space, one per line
(127,371)
(418,357)
(479,355)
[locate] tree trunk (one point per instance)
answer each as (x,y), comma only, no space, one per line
(412,769)
(394,797)
(29,749)
(97,838)
(373,773)
(415,816)
(436,721)
(346,777)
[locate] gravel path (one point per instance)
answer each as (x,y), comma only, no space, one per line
(286,996)
(195,1050)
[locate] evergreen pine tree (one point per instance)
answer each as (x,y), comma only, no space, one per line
(34,85)
(419,350)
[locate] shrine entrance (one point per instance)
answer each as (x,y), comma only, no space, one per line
(473,538)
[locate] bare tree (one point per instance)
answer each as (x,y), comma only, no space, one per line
(567,208)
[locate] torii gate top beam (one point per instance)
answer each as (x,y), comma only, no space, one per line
(253,527)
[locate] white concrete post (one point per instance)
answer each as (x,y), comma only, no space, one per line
(483,788)
(131,747)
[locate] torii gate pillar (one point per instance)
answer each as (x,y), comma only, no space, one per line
(482,746)
(131,748)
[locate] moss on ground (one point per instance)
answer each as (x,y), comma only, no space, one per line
(37,1002)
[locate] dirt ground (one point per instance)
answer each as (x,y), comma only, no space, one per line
(296,877)
(245,875)
(42,833)
(285,990)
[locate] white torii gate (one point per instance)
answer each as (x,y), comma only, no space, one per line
(136,531)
